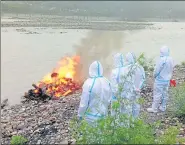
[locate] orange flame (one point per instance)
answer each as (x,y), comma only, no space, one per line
(62,74)
(36,91)
(65,69)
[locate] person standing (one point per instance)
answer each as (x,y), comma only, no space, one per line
(116,73)
(162,74)
(96,95)
(139,78)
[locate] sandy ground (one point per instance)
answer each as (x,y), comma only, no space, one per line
(34,51)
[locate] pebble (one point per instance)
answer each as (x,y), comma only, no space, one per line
(4,121)
(64,142)
(39,142)
(14,133)
(62,132)
(179,136)
(21,126)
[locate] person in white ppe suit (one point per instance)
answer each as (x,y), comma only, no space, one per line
(96,95)
(138,81)
(115,78)
(162,74)
(129,77)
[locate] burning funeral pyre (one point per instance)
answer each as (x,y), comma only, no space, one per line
(58,83)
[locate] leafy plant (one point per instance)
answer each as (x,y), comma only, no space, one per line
(147,64)
(111,131)
(183,63)
(118,131)
(169,137)
(18,140)
(177,101)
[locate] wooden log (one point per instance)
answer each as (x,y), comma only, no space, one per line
(36,95)
(35,86)
(54,75)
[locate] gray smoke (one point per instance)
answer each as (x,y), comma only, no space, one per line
(98,45)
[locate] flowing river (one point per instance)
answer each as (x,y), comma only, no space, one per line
(28,53)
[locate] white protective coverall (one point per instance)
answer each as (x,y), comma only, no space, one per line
(162,74)
(96,95)
(139,78)
(115,76)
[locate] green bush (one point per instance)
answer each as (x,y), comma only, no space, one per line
(111,131)
(147,64)
(177,101)
(183,63)
(169,137)
(18,140)
(117,131)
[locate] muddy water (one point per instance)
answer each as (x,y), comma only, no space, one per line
(29,53)
(26,58)
(151,39)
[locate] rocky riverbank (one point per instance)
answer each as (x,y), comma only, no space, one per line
(40,122)
(65,22)
(48,122)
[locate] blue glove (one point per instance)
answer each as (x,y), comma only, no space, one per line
(114,98)
(80,118)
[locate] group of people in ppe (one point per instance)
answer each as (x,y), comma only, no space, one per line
(98,92)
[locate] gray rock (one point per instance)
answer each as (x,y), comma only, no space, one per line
(64,142)
(39,142)
(4,121)
(21,126)
(9,129)
(62,131)
(23,109)
(73,141)
(14,133)
(179,136)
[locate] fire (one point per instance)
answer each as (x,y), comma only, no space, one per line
(65,69)
(60,82)
(36,91)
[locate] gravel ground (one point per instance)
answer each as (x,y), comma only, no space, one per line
(40,122)
(48,122)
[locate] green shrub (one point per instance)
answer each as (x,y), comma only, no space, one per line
(177,101)
(169,137)
(18,140)
(147,64)
(183,63)
(111,130)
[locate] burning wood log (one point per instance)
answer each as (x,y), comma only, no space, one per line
(54,75)
(36,94)
(45,91)
(68,92)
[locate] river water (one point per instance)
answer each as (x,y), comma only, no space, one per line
(27,54)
